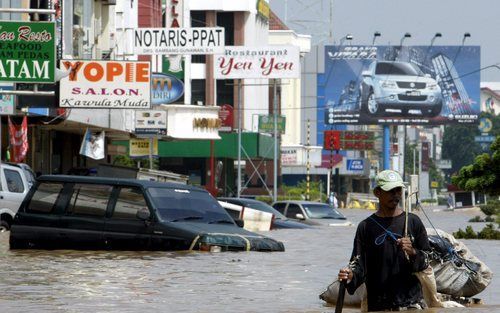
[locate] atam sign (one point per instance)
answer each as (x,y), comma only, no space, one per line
(258,62)
(27,52)
(106,84)
(196,40)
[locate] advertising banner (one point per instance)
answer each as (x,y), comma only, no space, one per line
(6,101)
(106,84)
(289,157)
(240,62)
(431,85)
(355,165)
(27,52)
(18,140)
(93,145)
(266,124)
(196,40)
(151,122)
(165,89)
(139,147)
(226,116)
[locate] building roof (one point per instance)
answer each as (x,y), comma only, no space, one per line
(275,23)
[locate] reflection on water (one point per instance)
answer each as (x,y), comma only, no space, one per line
(99,281)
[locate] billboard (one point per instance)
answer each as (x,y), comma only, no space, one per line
(240,62)
(94,84)
(196,40)
(27,52)
(400,85)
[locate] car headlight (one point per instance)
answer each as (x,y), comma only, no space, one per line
(432,86)
(388,84)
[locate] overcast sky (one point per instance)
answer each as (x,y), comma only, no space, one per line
(393,18)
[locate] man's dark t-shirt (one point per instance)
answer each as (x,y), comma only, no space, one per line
(382,264)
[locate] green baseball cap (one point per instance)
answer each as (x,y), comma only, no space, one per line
(388,180)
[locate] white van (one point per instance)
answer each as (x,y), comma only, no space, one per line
(15,182)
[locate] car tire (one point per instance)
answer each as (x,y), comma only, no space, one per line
(436,110)
(372,107)
(4,226)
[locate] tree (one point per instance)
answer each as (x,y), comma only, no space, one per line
(459,145)
(484,174)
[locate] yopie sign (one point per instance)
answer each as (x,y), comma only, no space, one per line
(106,84)
(27,52)
(258,62)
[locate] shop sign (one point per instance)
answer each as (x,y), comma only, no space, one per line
(27,52)
(266,124)
(203,122)
(106,84)
(165,89)
(226,117)
(289,157)
(196,40)
(443,164)
(139,147)
(6,101)
(174,13)
(240,62)
(263,9)
(355,164)
(151,122)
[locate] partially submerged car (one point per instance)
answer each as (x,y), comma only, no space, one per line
(279,220)
(399,85)
(16,180)
(76,212)
(310,212)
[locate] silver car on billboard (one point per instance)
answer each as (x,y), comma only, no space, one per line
(399,86)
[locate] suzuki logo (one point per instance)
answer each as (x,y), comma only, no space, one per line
(412,85)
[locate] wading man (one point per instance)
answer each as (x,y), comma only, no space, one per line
(383,258)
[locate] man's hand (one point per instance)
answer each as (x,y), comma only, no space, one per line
(345,274)
(405,244)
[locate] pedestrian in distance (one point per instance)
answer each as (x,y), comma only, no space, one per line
(450,201)
(383,257)
(333,201)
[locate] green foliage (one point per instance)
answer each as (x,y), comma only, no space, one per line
(489,232)
(459,145)
(123,160)
(476,219)
(484,174)
(299,192)
(492,208)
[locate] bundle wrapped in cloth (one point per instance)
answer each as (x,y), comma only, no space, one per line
(454,272)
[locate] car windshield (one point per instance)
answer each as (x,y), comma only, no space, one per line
(176,205)
(261,206)
(389,68)
(322,211)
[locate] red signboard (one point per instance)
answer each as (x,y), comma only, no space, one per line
(332,140)
(348,140)
(226,117)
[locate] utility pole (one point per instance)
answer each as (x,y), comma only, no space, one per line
(308,164)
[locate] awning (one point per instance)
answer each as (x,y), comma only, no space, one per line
(256,145)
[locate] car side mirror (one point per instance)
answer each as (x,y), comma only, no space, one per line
(299,216)
(143,214)
(239,222)
(366,73)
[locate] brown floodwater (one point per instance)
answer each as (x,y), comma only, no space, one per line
(96,281)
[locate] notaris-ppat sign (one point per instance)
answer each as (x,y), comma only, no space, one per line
(27,52)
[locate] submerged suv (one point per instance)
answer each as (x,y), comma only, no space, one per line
(78,212)
(399,85)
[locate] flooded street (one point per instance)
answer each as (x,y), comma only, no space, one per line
(90,281)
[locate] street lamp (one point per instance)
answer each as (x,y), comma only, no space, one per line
(466,35)
(347,37)
(375,35)
(437,35)
(406,35)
